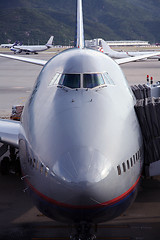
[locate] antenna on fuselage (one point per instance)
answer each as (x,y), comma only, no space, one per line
(79,43)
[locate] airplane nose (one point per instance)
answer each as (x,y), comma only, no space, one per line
(83,164)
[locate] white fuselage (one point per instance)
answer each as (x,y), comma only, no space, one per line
(116,54)
(32,49)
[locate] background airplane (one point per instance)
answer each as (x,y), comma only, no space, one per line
(33,48)
(115,54)
(82,156)
(9,45)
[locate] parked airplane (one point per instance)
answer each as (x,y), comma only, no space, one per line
(33,48)
(115,54)
(75,154)
(9,45)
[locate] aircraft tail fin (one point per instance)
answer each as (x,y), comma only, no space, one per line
(106,47)
(50,42)
(79,41)
(17,43)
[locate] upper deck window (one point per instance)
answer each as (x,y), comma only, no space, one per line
(70,80)
(92,80)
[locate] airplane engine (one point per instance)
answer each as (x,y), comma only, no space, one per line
(16,50)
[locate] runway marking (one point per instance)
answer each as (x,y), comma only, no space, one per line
(18,87)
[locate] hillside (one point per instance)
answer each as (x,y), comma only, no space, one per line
(33,21)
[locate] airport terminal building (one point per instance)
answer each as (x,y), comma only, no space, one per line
(96,42)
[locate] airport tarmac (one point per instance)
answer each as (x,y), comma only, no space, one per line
(19,219)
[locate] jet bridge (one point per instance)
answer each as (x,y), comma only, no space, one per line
(148,111)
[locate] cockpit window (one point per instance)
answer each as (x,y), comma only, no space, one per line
(108,79)
(55,79)
(86,80)
(92,80)
(70,80)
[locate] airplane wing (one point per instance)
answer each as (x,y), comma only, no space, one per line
(24,59)
(133,59)
(9,131)
(43,62)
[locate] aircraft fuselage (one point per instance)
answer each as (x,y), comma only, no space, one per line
(81,147)
(29,49)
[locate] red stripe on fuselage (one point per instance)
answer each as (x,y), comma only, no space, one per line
(108,203)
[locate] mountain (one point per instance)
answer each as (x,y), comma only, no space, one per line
(33,21)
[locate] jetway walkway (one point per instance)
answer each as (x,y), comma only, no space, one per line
(148,112)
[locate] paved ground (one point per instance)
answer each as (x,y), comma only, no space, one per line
(137,72)
(17,80)
(19,219)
